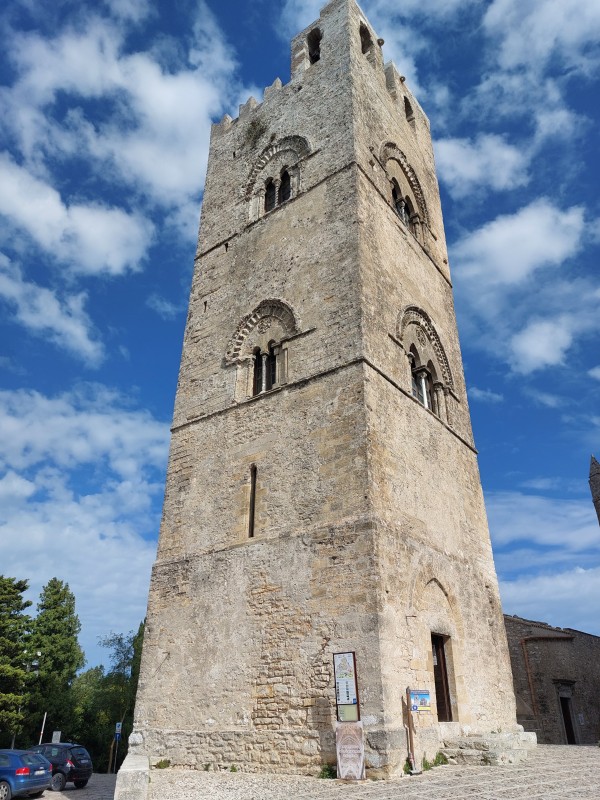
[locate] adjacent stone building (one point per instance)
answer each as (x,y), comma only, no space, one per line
(323,492)
(556,674)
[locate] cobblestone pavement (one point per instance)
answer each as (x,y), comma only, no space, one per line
(552,772)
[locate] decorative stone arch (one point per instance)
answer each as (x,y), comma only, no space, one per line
(415,327)
(263,334)
(285,154)
(434,609)
(264,315)
(390,151)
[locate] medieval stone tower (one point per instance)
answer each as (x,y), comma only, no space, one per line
(595,484)
(323,493)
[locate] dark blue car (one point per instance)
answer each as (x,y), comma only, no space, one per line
(23,774)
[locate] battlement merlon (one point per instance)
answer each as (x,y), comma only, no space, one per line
(352,17)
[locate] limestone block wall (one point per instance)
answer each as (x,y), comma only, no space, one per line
(548,663)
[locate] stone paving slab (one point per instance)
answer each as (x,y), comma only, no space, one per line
(552,772)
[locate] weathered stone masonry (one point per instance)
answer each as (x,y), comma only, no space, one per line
(323,492)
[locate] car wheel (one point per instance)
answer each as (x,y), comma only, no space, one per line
(80,784)
(5,792)
(58,782)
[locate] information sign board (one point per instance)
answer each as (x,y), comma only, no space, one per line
(346,688)
(420,700)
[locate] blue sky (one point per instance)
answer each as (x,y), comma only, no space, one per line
(105,112)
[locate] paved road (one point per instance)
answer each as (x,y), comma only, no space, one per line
(552,772)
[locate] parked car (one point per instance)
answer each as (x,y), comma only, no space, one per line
(70,762)
(23,773)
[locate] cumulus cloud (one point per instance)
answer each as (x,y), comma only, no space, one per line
(43,313)
(487,162)
(530,33)
(511,247)
(82,471)
(542,343)
(91,238)
(515,284)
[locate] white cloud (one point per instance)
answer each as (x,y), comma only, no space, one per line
(510,248)
(162,102)
(485,395)
(91,238)
(541,343)
(595,372)
(531,33)
(546,398)
(563,599)
(43,314)
(547,522)
(82,474)
(164,308)
(488,161)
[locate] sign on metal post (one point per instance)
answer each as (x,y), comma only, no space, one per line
(56,737)
(420,700)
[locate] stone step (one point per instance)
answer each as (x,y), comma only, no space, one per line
(478,756)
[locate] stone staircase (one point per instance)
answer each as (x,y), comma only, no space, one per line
(490,748)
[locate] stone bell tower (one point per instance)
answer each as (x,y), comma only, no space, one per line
(323,493)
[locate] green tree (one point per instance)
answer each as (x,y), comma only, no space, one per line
(54,635)
(102,698)
(14,627)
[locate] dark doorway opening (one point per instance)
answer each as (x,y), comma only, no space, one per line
(565,707)
(440,676)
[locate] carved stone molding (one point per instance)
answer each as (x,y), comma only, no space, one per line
(388,151)
(412,315)
(263,316)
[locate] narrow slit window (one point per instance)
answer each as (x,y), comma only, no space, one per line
(314,45)
(366,43)
(252,509)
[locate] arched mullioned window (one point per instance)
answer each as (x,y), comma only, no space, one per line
(278,190)
(265,368)
(313,41)
(422,381)
(404,208)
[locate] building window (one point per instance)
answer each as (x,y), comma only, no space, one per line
(252,509)
(270,195)
(278,190)
(285,187)
(422,385)
(366,42)
(265,369)
(314,45)
(408,110)
(404,208)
